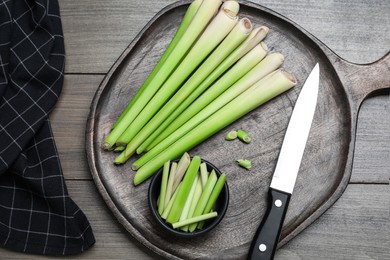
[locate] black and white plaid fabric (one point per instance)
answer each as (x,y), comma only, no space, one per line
(36,213)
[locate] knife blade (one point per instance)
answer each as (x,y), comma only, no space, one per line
(264,243)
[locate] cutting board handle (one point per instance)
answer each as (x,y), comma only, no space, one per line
(363,80)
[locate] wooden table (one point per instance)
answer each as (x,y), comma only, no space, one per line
(357,226)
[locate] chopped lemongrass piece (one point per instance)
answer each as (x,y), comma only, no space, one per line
(189,177)
(231,135)
(208,189)
(246,62)
(215,32)
(204,174)
(163,187)
(194,202)
(244,136)
(227,46)
(276,83)
(171,179)
(195,220)
(168,208)
(190,13)
(186,208)
(182,167)
(255,75)
(198,23)
(214,196)
(245,163)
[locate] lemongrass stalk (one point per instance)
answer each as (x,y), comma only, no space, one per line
(198,23)
(215,32)
(168,208)
(195,116)
(195,219)
(231,135)
(180,200)
(194,202)
(266,66)
(171,178)
(163,187)
(253,39)
(278,82)
(214,196)
(186,208)
(244,136)
(182,167)
(203,174)
(245,163)
(235,37)
(190,13)
(208,189)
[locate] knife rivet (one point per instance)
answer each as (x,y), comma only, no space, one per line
(278,203)
(262,247)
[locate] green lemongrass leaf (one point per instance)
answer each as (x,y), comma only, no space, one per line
(198,23)
(181,197)
(208,189)
(194,202)
(244,136)
(194,119)
(171,178)
(231,77)
(195,219)
(214,196)
(215,32)
(190,13)
(277,83)
(163,187)
(168,208)
(245,163)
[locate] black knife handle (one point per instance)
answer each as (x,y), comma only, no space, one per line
(267,235)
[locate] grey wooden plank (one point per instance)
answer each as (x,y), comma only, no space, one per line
(96,32)
(372,151)
(356,227)
(69,119)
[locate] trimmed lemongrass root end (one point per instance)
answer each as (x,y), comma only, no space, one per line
(231,7)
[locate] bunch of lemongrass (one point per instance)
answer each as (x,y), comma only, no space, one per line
(215,70)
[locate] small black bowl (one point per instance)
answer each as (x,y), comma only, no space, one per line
(221,205)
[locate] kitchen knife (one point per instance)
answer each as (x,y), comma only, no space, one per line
(267,235)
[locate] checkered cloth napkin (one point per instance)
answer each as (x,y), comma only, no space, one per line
(36,213)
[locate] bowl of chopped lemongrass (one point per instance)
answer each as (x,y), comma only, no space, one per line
(188,197)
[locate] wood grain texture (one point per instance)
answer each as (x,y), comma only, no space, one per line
(325,171)
(97,32)
(341,233)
